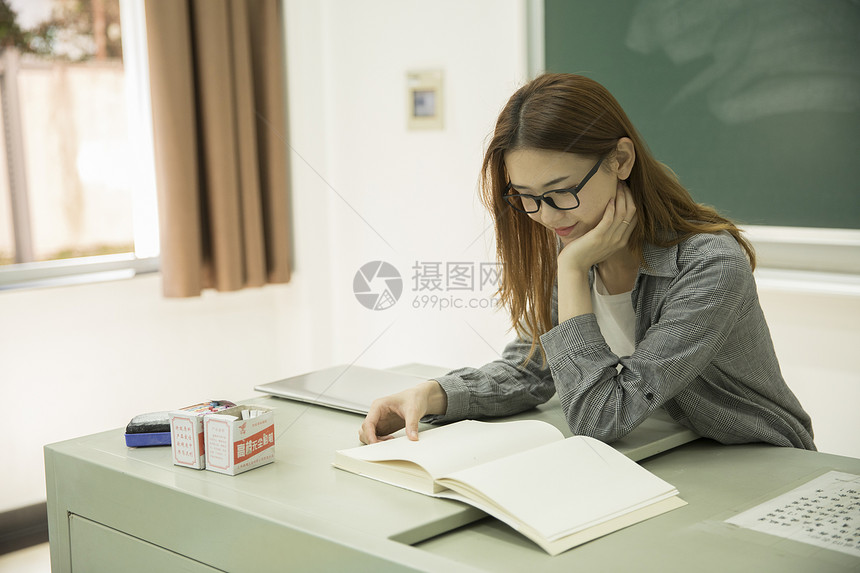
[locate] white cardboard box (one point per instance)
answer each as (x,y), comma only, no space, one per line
(186,439)
(186,432)
(233,446)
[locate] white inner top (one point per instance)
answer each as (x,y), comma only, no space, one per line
(615,317)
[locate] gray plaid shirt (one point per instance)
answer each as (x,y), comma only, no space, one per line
(703,352)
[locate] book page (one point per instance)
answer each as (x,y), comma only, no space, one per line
(563,487)
(460,445)
(564,542)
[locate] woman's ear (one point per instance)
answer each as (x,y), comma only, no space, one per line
(625,157)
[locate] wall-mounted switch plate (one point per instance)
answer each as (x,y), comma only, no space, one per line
(425,101)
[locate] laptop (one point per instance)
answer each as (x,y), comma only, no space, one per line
(353,388)
(344,387)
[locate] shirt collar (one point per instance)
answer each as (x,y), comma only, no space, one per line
(660,261)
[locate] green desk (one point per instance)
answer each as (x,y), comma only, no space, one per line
(113,508)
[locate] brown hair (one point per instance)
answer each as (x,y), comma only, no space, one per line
(574,114)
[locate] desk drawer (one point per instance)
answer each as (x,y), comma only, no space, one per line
(96,549)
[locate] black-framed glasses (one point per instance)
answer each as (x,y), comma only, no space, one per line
(562,199)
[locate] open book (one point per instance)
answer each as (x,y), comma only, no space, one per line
(557,492)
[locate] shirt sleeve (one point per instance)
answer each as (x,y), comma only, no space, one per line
(500,388)
(697,313)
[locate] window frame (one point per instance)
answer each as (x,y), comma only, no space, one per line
(145,258)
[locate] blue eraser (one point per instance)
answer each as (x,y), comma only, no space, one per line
(143,440)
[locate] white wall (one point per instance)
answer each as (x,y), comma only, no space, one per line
(87,358)
(82,359)
(384,192)
(817,338)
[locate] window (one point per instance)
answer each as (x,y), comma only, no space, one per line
(77,191)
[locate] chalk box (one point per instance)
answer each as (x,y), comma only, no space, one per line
(236,446)
(186,432)
(186,439)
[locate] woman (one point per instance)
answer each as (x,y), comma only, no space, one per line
(650,301)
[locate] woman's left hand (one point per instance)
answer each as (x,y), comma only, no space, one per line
(610,235)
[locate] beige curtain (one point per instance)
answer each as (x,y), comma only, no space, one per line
(219,119)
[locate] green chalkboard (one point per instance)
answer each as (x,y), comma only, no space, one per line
(754,104)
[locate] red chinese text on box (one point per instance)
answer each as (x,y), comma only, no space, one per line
(253,445)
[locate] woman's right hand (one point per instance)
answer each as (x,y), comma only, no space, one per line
(404,409)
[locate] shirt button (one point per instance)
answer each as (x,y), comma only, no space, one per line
(649,396)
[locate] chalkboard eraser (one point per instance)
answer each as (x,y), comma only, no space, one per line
(147,423)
